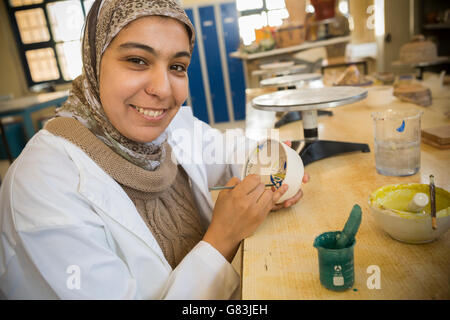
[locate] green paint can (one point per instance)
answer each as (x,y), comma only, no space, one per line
(336,266)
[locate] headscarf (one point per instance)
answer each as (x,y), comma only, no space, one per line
(104,21)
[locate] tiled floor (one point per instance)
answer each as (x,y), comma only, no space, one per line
(4,164)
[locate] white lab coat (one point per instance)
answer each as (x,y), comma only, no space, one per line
(69,231)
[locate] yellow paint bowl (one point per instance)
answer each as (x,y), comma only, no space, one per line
(389,206)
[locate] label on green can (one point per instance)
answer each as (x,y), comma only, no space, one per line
(335,265)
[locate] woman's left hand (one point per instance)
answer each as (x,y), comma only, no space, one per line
(291,201)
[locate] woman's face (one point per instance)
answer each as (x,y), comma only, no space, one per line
(143,76)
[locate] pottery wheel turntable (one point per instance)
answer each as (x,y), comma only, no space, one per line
(308,101)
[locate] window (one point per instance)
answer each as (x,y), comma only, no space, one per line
(255,14)
(48,34)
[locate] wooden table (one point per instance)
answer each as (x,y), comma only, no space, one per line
(25,106)
(279,260)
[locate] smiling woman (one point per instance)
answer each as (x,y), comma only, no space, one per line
(103,203)
(143,80)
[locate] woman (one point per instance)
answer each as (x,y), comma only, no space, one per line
(95,208)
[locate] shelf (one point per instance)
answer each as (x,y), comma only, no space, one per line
(303,46)
(436,26)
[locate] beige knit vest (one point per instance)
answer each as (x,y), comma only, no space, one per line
(162,197)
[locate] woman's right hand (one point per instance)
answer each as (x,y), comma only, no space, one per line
(238,212)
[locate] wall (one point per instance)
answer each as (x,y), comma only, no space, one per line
(12,78)
(358,10)
(397,19)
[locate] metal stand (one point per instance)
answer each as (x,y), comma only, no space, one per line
(308,101)
(322,149)
(297,116)
(316,149)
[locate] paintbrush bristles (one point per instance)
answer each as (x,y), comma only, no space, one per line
(433,202)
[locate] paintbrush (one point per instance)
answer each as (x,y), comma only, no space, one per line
(232,187)
(433,202)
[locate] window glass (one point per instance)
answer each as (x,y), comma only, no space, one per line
(275,4)
(32,26)
(42,64)
(69,56)
(248,24)
(17,3)
(66,20)
(249,5)
(275,17)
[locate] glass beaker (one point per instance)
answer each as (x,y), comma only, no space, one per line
(397,141)
(336,266)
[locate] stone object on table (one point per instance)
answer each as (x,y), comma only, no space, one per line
(438,137)
(386,78)
(351,77)
(414,93)
(419,51)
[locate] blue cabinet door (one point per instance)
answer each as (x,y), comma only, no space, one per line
(235,69)
(213,62)
(196,88)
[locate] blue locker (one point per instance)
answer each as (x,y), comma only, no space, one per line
(196,88)
(213,61)
(235,69)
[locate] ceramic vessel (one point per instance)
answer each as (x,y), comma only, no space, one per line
(277,163)
(388,205)
(380,96)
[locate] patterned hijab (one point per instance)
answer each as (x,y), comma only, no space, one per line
(104,21)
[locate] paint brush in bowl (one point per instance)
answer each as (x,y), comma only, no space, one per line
(433,202)
(231,187)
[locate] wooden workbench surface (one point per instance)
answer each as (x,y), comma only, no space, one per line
(279,260)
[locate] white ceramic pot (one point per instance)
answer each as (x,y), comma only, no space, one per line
(277,163)
(380,96)
(407,226)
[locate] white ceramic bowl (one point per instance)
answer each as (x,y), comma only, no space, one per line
(272,163)
(379,96)
(388,205)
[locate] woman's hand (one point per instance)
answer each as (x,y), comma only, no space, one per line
(291,201)
(238,212)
